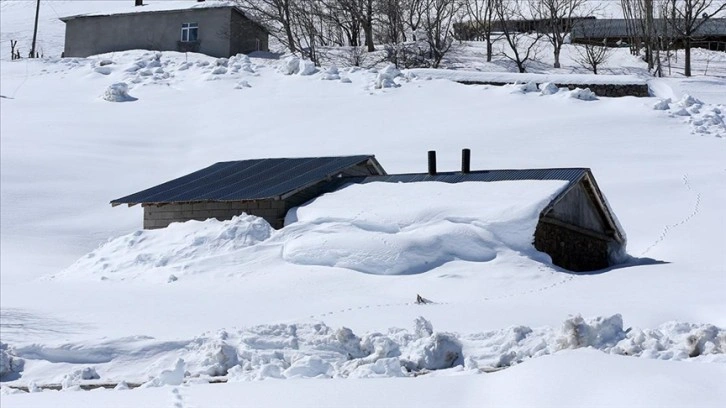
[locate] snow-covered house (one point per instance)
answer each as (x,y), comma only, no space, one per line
(215,28)
(577,227)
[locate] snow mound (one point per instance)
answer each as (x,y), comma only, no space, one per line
(10,364)
(174,376)
(118,92)
(548,88)
(242,85)
(103,70)
(581,94)
(519,87)
(331,74)
(307,68)
(663,104)
(151,252)
(241,63)
(148,67)
(421,226)
(78,376)
(598,333)
(290,66)
(705,119)
(435,352)
(386,77)
(296,66)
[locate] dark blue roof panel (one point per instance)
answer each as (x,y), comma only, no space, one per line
(245,180)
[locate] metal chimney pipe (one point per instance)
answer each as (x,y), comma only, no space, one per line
(432,162)
(139,3)
(465,161)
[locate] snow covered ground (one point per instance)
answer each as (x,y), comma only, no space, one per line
(327,296)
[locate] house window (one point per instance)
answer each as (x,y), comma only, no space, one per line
(190,32)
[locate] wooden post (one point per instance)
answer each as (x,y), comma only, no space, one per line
(35,29)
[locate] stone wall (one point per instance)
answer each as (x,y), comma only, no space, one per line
(160,216)
(614,90)
(607,90)
(159,31)
(571,250)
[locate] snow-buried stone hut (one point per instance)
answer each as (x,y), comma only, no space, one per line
(577,228)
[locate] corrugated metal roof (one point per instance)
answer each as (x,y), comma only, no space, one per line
(246,180)
(568,174)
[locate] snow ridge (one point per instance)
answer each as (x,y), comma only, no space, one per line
(315,350)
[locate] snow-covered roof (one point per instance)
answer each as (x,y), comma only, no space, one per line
(128,7)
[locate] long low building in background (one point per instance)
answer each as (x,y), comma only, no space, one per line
(619,32)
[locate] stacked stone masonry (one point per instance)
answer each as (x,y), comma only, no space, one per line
(606,90)
(160,216)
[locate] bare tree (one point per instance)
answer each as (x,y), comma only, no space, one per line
(556,18)
(306,33)
(362,10)
(481,14)
(413,11)
(523,46)
(345,19)
(14,53)
(438,18)
(591,55)
(685,17)
(391,16)
(277,16)
(644,30)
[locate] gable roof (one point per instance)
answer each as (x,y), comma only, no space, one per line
(572,175)
(158,6)
(249,180)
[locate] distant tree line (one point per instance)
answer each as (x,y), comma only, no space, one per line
(656,27)
(421,32)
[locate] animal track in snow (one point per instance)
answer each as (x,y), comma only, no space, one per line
(178,398)
(669,227)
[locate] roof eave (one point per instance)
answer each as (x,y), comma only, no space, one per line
(328,177)
(78,16)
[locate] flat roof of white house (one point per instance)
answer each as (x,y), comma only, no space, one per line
(128,7)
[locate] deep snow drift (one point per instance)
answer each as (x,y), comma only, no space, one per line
(377,228)
(170,250)
(393,229)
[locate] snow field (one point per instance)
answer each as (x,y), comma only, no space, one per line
(66,152)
